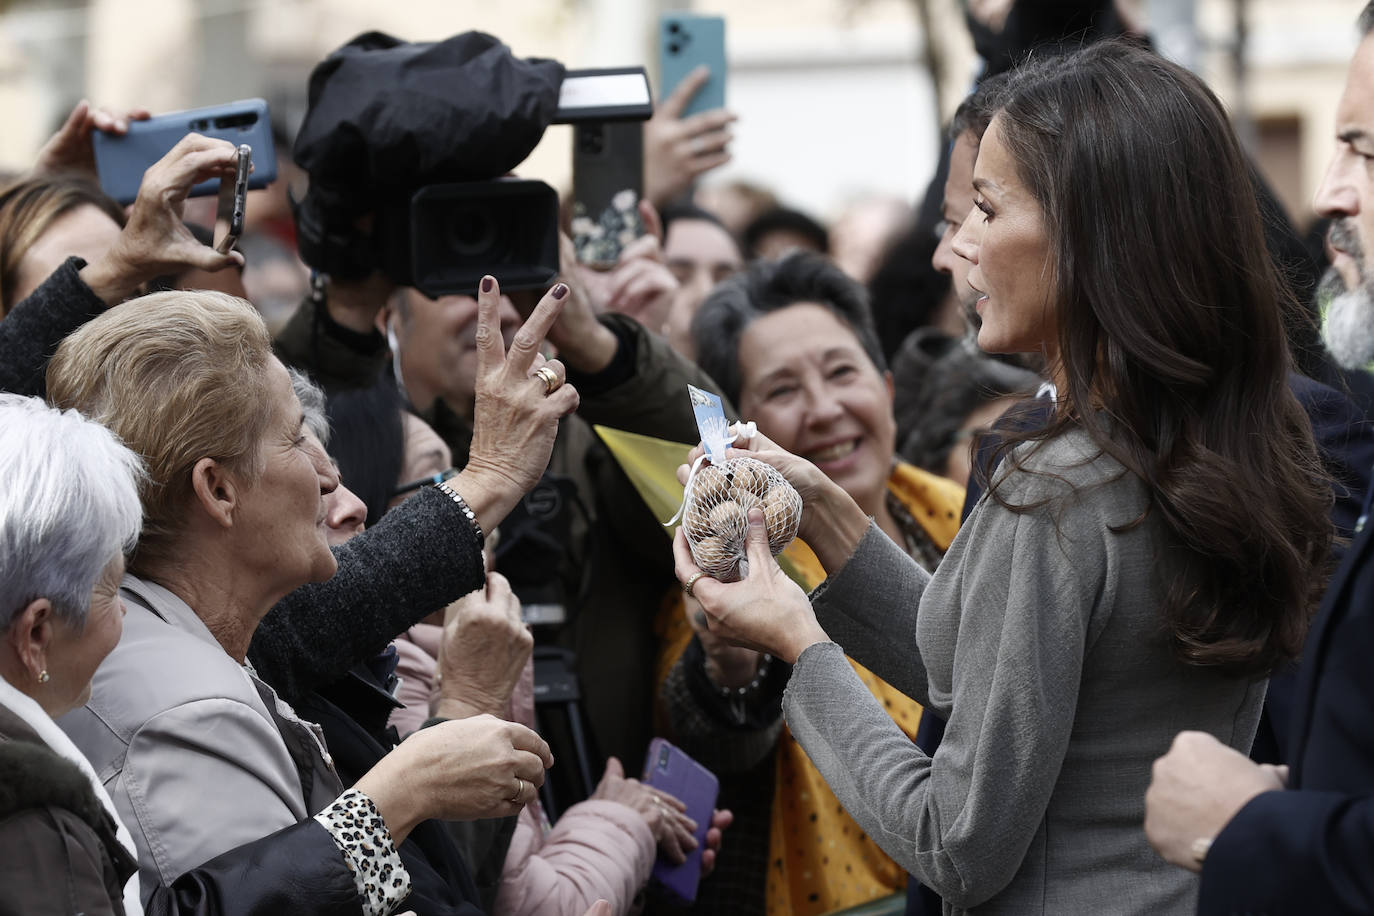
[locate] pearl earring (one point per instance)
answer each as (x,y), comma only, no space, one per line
(43,676)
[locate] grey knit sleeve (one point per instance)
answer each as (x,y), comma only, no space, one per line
(869,608)
(422,555)
(1008,614)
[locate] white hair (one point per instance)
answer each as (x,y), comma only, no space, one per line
(68,506)
(312,400)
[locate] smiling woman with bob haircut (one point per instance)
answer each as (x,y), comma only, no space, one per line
(1136,568)
(792,343)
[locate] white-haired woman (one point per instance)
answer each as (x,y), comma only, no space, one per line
(69,510)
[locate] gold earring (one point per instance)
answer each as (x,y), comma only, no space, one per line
(43,676)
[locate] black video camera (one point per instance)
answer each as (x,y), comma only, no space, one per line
(410,177)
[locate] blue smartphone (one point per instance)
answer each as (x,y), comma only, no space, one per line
(685,42)
(670,769)
(121,161)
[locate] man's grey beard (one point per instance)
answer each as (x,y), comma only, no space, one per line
(1347,314)
(1348,326)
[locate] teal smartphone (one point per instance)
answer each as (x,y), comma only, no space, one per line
(121,161)
(685,42)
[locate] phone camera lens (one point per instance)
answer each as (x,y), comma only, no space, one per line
(674,48)
(674,28)
(663,759)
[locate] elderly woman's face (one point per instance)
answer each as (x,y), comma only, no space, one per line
(73,655)
(810,386)
(283,511)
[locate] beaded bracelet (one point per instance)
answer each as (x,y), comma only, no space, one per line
(463,505)
(735,696)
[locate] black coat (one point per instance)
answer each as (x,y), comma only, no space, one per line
(59,855)
(1311,849)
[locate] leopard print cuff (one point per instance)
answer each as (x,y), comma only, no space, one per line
(361,835)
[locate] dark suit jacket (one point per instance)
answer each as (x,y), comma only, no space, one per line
(1311,849)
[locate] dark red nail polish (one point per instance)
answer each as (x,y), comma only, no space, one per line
(560,291)
(486,284)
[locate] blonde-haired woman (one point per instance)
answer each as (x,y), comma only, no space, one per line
(200,755)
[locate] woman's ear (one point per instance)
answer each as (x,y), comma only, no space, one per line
(30,634)
(216,491)
(891,387)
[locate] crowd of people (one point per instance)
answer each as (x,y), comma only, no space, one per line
(358,609)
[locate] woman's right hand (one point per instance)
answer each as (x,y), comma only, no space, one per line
(458,770)
(515,419)
(155,241)
(673,831)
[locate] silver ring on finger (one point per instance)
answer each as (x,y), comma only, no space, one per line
(690,583)
(519,791)
(550,379)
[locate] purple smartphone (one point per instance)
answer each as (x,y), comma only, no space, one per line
(671,770)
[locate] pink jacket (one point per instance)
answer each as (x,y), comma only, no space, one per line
(598,849)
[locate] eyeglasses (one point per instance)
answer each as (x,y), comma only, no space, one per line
(432,479)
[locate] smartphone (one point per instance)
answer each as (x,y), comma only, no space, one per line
(233,196)
(685,42)
(670,769)
(121,161)
(608,181)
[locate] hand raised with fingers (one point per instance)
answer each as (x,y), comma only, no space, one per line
(676,149)
(71,150)
(520,398)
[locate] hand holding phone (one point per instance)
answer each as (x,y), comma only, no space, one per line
(688,134)
(687,42)
(233,199)
(122,159)
(670,769)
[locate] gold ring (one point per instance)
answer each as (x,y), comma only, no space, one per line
(550,379)
(519,790)
(687,586)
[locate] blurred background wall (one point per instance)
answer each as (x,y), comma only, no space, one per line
(838,100)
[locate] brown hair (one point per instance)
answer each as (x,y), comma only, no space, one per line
(179,376)
(29,207)
(1171,335)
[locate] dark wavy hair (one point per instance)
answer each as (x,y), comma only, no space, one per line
(1171,338)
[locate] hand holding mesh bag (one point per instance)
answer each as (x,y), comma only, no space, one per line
(716,514)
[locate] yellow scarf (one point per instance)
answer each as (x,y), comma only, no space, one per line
(819,859)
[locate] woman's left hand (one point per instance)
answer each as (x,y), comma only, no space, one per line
(766,611)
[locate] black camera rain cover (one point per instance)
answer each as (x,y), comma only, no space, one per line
(386,117)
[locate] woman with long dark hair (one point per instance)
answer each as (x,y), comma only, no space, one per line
(1136,568)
